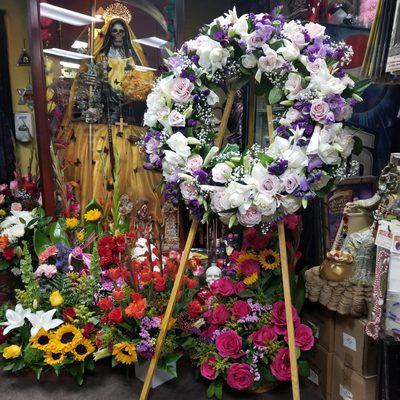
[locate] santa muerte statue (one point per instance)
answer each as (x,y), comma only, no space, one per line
(103,123)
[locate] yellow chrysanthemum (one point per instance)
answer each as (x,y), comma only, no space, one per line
(92,215)
(41,340)
(56,299)
(71,223)
(11,352)
(2,212)
(249,280)
(245,257)
(269,259)
(67,337)
(125,353)
(54,357)
(82,349)
(80,236)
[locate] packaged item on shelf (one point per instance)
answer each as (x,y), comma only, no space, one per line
(354,347)
(349,385)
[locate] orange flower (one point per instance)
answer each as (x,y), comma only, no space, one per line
(136,309)
(3,242)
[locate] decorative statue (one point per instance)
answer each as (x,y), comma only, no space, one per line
(103,122)
(212,274)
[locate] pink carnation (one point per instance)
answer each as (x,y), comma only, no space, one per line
(240,376)
(208,370)
(280,366)
(278,317)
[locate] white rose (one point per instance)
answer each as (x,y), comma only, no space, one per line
(171,164)
(289,52)
(249,61)
(315,30)
(293,85)
(291,204)
(316,66)
(219,201)
(188,190)
(251,217)
(218,58)
(268,62)
(178,143)
(291,28)
(239,194)
(221,173)
(181,90)
(195,44)
(266,204)
(299,40)
(290,182)
(176,119)
(194,162)
(345,140)
(149,118)
(155,101)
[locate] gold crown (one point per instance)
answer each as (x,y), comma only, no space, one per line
(117,10)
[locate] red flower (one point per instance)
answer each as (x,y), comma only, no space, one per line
(208,370)
(240,309)
(105,303)
(116,316)
(88,329)
(136,309)
(194,309)
(104,319)
(114,273)
(119,243)
(8,254)
(69,314)
(191,283)
(252,238)
(3,337)
(118,294)
(159,284)
(291,221)
(136,296)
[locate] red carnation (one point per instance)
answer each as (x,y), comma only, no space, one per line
(88,329)
(194,309)
(69,314)
(159,284)
(105,303)
(118,294)
(8,253)
(116,316)
(114,273)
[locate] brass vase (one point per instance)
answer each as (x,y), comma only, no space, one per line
(337,266)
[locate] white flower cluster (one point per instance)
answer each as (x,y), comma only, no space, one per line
(14,225)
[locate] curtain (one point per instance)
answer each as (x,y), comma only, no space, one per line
(7,157)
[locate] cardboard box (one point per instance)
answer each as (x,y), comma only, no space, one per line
(354,347)
(348,385)
(323,321)
(321,371)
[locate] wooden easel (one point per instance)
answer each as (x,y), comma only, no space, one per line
(182,268)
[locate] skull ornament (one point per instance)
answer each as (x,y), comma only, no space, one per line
(118,34)
(212,274)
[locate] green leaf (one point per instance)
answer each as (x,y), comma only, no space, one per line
(172,358)
(92,205)
(218,390)
(211,391)
(265,159)
(90,365)
(360,86)
(275,95)
(269,377)
(40,241)
(246,293)
(58,234)
(38,372)
(4,264)
(358,146)
(304,368)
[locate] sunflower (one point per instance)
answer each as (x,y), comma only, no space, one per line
(82,349)
(246,257)
(125,353)
(269,259)
(67,337)
(41,340)
(54,357)
(249,280)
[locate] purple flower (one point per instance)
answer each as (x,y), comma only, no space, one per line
(201,176)
(195,58)
(282,132)
(175,61)
(278,168)
(191,122)
(304,186)
(314,162)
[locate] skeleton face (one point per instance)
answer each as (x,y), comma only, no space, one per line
(212,274)
(118,34)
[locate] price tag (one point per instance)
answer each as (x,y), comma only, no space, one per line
(313,377)
(384,236)
(345,393)
(349,341)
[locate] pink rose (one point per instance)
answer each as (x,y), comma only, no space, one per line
(291,182)
(209,332)
(304,337)
(269,61)
(223,286)
(240,309)
(263,336)
(278,317)
(181,90)
(280,366)
(219,200)
(251,217)
(299,40)
(220,315)
(13,184)
(240,287)
(188,190)
(319,110)
(229,344)
(207,369)
(194,162)
(240,376)
(16,207)
(293,85)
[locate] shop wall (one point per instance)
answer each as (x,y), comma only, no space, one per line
(17,32)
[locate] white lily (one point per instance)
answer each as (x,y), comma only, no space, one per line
(41,319)
(15,318)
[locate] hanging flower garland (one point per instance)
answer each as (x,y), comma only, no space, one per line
(294,65)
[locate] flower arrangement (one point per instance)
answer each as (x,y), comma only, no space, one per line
(294,65)
(133,302)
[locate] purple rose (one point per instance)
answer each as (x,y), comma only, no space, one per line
(240,376)
(229,344)
(319,110)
